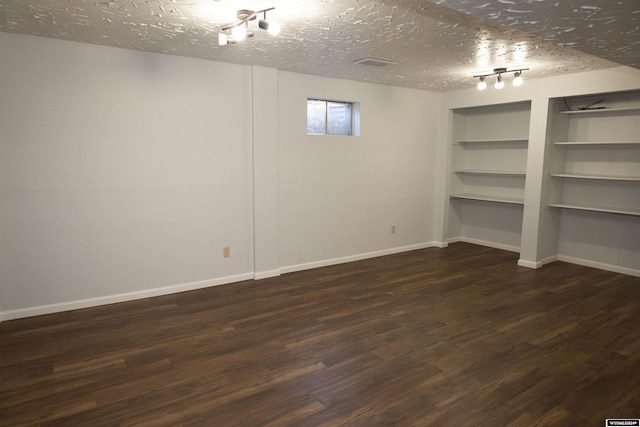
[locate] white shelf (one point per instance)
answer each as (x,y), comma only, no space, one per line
(597,143)
(602,110)
(485,198)
(486,172)
(595,208)
(605,141)
(597,177)
(500,141)
(488,158)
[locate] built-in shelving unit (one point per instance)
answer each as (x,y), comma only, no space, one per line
(596,177)
(489,148)
(481,141)
(496,199)
(604,110)
(593,172)
(595,208)
(579,168)
(598,154)
(596,143)
(478,172)
(491,170)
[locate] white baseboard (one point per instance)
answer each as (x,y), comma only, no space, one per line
(548,260)
(536,264)
(600,265)
(528,264)
(358,257)
(111,299)
(581,261)
(266,274)
(489,244)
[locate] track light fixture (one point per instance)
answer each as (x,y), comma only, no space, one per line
(517,77)
(238,31)
(482,85)
(272,27)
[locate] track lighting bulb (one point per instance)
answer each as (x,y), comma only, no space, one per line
(239,33)
(499,82)
(272,27)
(482,85)
(517,78)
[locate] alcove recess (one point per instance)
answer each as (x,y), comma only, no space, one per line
(489,147)
(592,172)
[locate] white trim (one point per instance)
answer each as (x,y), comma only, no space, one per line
(358,257)
(536,264)
(600,265)
(529,264)
(111,299)
(266,274)
(548,260)
(490,244)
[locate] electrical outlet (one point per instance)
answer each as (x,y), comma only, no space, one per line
(226,251)
(393,229)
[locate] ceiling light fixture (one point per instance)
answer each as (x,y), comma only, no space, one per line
(238,31)
(517,77)
(272,27)
(482,85)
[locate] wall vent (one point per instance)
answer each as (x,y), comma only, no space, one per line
(374,62)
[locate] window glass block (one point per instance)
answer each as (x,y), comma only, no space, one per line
(316,117)
(339,118)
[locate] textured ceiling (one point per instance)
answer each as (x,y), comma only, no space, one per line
(609,29)
(434,47)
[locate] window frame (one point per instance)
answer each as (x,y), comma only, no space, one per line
(354,129)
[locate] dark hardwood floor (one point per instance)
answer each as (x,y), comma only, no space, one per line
(460,336)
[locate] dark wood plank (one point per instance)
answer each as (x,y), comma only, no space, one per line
(454,336)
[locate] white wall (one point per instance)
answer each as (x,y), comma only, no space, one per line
(121,173)
(124,173)
(339,195)
(265,171)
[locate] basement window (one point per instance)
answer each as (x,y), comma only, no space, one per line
(325,117)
